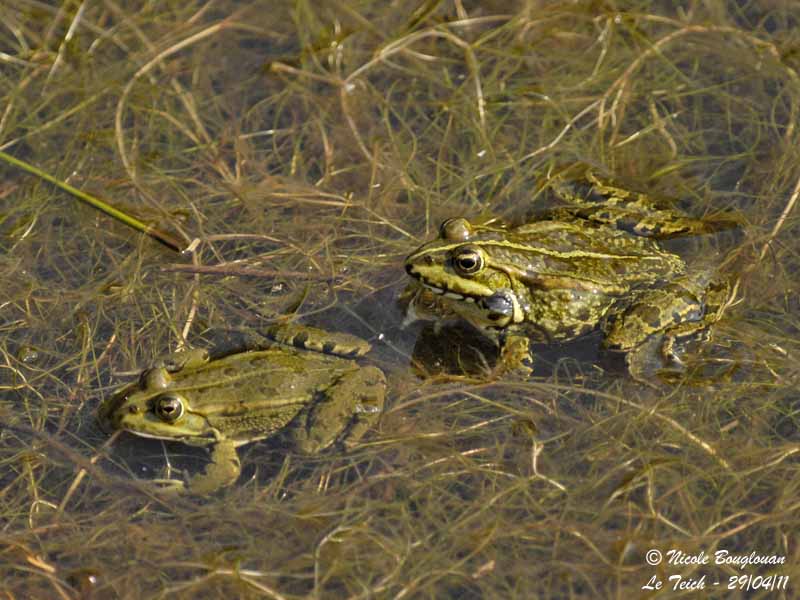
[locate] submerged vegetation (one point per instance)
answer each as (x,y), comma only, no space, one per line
(298,151)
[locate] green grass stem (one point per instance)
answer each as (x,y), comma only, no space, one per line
(104,207)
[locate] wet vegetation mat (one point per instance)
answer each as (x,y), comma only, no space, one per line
(285,157)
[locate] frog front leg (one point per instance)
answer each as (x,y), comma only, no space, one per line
(223,470)
(497,315)
(343,412)
(419,303)
(515,357)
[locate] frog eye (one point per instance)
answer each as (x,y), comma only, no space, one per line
(456,229)
(169,407)
(468,260)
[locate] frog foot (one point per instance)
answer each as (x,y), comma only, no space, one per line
(662,356)
(515,358)
(184,359)
(654,360)
(169,487)
(222,471)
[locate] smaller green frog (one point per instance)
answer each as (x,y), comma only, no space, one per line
(301,380)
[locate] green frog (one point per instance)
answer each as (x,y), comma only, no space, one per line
(595,262)
(300,380)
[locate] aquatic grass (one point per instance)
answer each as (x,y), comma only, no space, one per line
(97,203)
(303,150)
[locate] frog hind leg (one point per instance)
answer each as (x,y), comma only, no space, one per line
(654,330)
(343,412)
(595,199)
(184,359)
(307,337)
(658,223)
(661,355)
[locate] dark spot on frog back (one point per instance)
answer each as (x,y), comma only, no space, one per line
(300,339)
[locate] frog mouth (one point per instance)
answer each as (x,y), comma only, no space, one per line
(199,439)
(478,292)
(449,294)
(500,307)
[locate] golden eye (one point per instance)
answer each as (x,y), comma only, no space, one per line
(169,407)
(468,261)
(456,229)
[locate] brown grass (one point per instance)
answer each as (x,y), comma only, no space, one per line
(301,151)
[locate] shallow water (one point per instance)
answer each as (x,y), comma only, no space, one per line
(308,150)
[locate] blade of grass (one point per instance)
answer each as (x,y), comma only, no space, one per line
(161,236)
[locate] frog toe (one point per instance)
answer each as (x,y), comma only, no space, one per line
(515,358)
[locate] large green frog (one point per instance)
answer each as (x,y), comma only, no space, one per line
(307,384)
(595,262)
